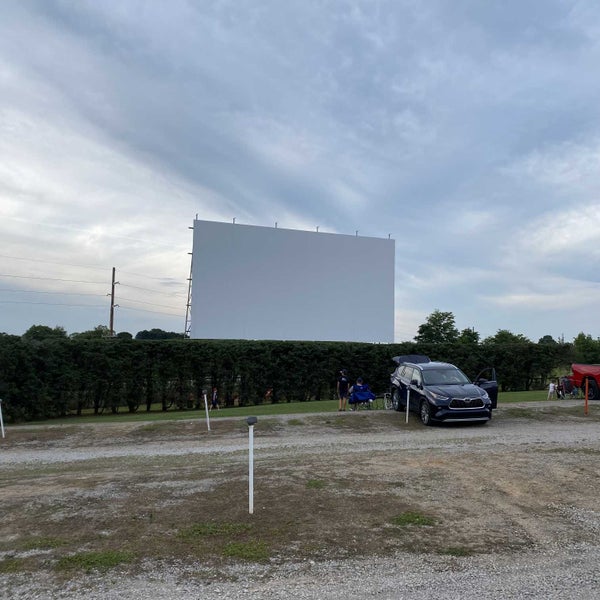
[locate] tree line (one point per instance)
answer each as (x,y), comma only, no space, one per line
(54,375)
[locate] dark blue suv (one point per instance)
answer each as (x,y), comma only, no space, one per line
(439,391)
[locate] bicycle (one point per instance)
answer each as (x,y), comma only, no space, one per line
(383,402)
(387,401)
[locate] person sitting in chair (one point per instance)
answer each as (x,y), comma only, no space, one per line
(360,393)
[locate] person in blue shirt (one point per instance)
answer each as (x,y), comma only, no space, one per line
(342,389)
(360,393)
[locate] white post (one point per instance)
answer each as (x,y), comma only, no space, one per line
(407,402)
(206,410)
(1,420)
(251,469)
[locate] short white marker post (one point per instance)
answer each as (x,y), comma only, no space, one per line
(251,423)
(407,402)
(206,410)
(1,419)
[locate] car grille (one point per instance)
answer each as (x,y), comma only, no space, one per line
(466,403)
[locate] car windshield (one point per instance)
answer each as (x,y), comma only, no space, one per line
(444,376)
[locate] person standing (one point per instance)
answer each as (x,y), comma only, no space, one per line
(214,402)
(552,391)
(342,389)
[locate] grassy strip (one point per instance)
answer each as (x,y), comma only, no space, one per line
(413,518)
(531,396)
(94,561)
(12,565)
(206,529)
(249,550)
(287,408)
(315,484)
(253,551)
(42,543)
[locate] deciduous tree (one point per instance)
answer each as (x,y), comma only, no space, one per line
(438,328)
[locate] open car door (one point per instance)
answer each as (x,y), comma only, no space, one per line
(489,385)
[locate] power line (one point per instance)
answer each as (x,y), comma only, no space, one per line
(141,276)
(79,294)
(46,292)
(53,262)
(142,302)
(83,281)
(135,309)
(134,287)
(90,282)
(156,312)
(144,276)
(52,279)
(50,303)
(62,264)
(79,266)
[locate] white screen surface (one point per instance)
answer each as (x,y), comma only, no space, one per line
(252,282)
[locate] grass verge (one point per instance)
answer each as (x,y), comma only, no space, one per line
(413,518)
(94,561)
(252,551)
(265,410)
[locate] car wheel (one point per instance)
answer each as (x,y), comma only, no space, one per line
(395,398)
(425,412)
(593,393)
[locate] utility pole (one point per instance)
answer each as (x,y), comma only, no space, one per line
(111,324)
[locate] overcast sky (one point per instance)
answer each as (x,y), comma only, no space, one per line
(468,130)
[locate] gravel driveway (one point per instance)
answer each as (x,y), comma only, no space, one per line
(540,474)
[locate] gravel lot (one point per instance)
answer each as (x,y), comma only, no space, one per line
(520,493)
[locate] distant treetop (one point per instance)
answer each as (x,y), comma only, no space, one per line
(158,334)
(40,333)
(439,327)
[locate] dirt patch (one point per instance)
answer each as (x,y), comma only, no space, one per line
(326,487)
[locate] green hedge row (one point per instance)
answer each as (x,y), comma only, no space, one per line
(57,377)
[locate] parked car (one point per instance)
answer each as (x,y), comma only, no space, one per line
(440,391)
(586,375)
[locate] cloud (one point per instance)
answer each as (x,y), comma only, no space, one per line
(552,294)
(466,131)
(563,244)
(570,167)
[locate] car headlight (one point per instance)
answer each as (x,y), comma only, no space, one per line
(438,397)
(484,394)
